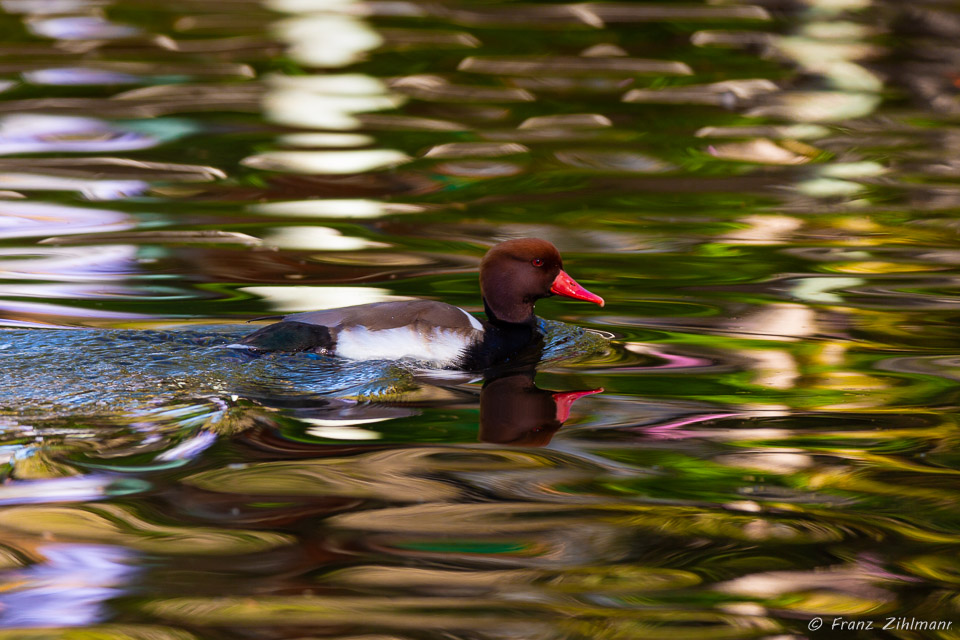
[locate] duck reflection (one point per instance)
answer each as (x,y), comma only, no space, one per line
(515,411)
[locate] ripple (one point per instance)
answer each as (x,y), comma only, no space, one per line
(560,65)
(612,161)
(625,578)
(114,524)
(295,610)
(111,631)
(436,88)
(475,150)
(478,169)
(769,529)
(728,93)
(472,519)
(382,476)
(119,169)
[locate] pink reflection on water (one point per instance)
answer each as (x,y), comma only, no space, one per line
(68,589)
(674,430)
(675,361)
(671,360)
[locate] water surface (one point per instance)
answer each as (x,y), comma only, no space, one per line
(764,194)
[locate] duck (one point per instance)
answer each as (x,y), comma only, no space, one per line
(513,276)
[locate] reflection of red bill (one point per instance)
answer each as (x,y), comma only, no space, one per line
(564,285)
(565,400)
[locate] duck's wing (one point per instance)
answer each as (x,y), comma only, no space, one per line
(381,316)
(319,330)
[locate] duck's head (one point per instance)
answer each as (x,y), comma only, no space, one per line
(516,273)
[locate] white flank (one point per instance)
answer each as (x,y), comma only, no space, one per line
(443,346)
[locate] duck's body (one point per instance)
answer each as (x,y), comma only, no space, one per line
(436,332)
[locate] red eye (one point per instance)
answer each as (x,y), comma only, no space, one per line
(537,262)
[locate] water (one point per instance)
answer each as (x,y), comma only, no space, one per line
(760,435)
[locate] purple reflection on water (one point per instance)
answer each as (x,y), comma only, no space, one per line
(81,28)
(90,189)
(88,263)
(191,448)
(49,7)
(19,219)
(68,589)
(68,76)
(24,133)
(46,309)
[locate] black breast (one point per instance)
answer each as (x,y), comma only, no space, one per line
(504,342)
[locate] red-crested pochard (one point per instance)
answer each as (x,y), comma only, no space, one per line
(513,276)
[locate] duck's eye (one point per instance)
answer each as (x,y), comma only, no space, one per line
(537,262)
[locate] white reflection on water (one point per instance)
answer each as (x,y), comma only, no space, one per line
(326,102)
(317,238)
(353,208)
(303,298)
(327,162)
(322,35)
(323,140)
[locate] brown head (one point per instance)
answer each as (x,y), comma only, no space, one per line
(516,273)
